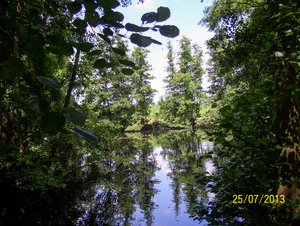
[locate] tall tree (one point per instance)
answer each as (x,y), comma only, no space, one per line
(142,92)
(184,89)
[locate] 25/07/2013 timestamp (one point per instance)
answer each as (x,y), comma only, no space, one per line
(258,199)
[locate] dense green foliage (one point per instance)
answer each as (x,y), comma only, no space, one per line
(66,82)
(255,83)
(184,91)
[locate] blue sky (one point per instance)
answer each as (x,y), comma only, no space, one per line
(185,14)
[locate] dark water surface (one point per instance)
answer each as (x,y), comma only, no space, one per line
(138,180)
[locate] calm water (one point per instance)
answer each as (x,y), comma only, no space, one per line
(165,213)
(132,180)
(153,182)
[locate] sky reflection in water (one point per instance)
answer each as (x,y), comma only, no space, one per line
(165,214)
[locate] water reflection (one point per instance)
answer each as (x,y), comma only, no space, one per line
(171,199)
(154,182)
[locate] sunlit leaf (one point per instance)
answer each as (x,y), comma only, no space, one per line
(49,82)
(279,54)
(74,116)
(86,135)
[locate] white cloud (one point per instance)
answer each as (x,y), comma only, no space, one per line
(146,5)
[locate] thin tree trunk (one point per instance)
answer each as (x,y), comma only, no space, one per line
(73,77)
(8,133)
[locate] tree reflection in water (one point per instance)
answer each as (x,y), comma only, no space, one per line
(155,184)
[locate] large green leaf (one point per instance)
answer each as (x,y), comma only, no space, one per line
(58,45)
(112,16)
(23,33)
(90,6)
(225,110)
(156,42)
(101,63)
(115,24)
(74,7)
(108,4)
(149,17)
(109,64)
(135,28)
(119,51)
(127,71)
(105,38)
(12,67)
(38,107)
(49,82)
(163,14)
(66,50)
(81,26)
(108,32)
(52,123)
(80,23)
(169,31)
(85,47)
(86,135)
(35,49)
(95,52)
(127,63)
(142,41)
(91,16)
(74,116)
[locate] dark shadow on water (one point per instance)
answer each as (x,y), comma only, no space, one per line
(112,191)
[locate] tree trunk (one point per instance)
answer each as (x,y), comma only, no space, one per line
(287,114)
(73,77)
(288,139)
